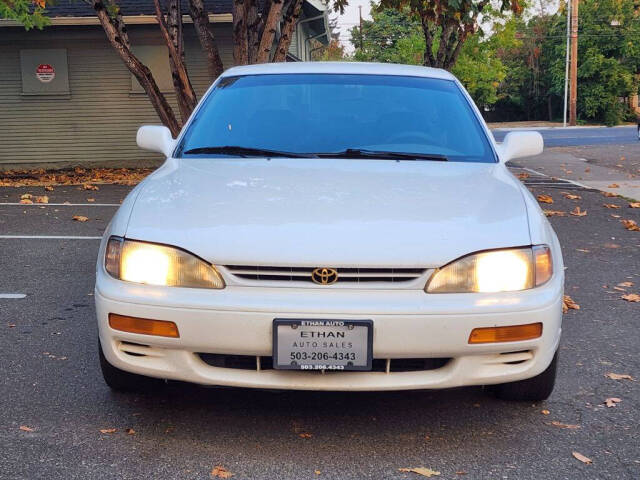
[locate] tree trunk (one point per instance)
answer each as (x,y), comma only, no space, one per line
(269,31)
(286,33)
(445,39)
(255,25)
(452,57)
(240,40)
(429,60)
(119,41)
(207,40)
(171,30)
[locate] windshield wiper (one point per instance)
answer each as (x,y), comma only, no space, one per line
(247,152)
(383,154)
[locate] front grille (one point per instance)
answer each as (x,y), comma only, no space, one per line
(250,362)
(345,275)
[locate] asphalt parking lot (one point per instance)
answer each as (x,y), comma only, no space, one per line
(54,403)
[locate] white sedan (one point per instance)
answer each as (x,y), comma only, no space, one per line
(336,226)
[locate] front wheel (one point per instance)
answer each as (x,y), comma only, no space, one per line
(122,381)
(532,389)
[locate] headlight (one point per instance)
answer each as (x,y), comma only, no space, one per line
(153,264)
(494,271)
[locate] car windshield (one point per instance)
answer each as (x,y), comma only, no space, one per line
(352,116)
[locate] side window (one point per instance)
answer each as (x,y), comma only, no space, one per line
(157,59)
(44,71)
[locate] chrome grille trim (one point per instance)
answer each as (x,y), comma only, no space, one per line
(346,275)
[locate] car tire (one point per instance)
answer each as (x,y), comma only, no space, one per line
(532,389)
(122,381)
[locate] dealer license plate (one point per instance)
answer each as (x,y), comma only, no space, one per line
(322,344)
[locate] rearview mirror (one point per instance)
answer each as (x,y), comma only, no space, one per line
(156,139)
(520,144)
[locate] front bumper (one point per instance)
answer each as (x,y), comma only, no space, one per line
(407,324)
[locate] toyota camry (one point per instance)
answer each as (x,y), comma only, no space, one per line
(332,226)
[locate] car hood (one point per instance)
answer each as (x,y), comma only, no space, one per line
(333,212)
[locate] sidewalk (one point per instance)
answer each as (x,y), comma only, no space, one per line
(606,172)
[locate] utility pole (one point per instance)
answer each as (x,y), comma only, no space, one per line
(566,66)
(573,74)
(361,37)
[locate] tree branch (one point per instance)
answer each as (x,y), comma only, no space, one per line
(286,32)
(185,94)
(207,40)
(269,31)
(240,38)
(137,68)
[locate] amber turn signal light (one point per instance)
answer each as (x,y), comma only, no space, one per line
(145,326)
(513,333)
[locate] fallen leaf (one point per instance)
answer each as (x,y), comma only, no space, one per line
(130,431)
(42,199)
(612,402)
(568,303)
(631,297)
(24,428)
(88,186)
(545,412)
(425,472)
(544,198)
(630,225)
(565,425)
(618,376)
(613,185)
(26,196)
(317,472)
(220,472)
(571,196)
(582,458)
(584,250)
(609,194)
(610,205)
(611,245)
(48,188)
(554,213)
(108,430)
(26,201)
(80,218)
(91,200)
(461,472)
(615,216)
(523,176)
(625,284)
(576,212)
(634,204)
(305,435)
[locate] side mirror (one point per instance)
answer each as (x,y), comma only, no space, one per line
(520,144)
(156,139)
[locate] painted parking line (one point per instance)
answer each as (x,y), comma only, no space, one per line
(47,237)
(16,204)
(12,295)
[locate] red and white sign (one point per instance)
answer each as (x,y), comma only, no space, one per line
(45,73)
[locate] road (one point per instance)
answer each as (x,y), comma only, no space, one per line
(561,137)
(51,382)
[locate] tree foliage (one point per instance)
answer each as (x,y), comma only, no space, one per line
(394,36)
(29,13)
(446,24)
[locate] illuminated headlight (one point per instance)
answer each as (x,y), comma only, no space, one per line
(153,264)
(494,271)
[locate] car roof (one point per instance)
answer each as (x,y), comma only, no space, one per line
(352,68)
